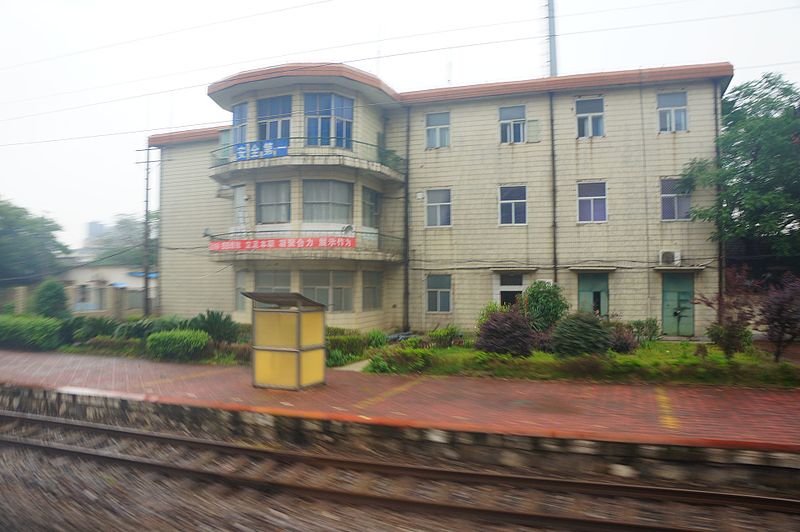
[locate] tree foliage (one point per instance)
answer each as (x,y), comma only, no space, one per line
(28,245)
(780,312)
(50,299)
(758,175)
(543,304)
(122,243)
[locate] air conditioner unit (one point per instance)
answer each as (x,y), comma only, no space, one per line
(669,258)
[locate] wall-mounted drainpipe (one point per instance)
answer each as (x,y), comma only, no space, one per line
(406,206)
(720,243)
(553,185)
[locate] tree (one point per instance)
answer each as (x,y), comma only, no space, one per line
(758,175)
(50,300)
(780,312)
(28,245)
(122,243)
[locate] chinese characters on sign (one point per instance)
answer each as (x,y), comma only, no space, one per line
(283,243)
(261,149)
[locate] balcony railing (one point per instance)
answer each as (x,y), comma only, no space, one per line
(304,146)
(305,240)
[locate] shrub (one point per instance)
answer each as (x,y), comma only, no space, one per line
(219,326)
(492,307)
(116,345)
(780,312)
(339,331)
(136,329)
(506,332)
(353,344)
(95,326)
(646,331)
(376,338)
(240,353)
(415,341)
(543,340)
(30,332)
(184,344)
(444,337)
(733,337)
(7,308)
(543,304)
(168,323)
(336,358)
(398,359)
(50,300)
(69,327)
(244,334)
(623,339)
(580,333)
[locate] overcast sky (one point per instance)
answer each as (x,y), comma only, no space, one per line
(156,58)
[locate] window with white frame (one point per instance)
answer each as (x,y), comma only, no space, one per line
(675,204)
(329,120)
(511,285)
(273,202)
(274,117)
(437,130)
(589,112)
(672,112)
(239,208)
(592,202)
(241,301)
(438,208)
(327,201)
(370,207)
(439,287)
(239,130)
(372,290)
(512,124)
(513,209)
(272,281)
(331,288)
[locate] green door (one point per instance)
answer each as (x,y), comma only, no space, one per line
(677,308)
(593,293)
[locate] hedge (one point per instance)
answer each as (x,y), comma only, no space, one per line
(182,344)
(29,332)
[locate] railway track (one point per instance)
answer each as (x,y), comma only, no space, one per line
(482,496)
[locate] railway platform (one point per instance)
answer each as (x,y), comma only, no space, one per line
(702,416)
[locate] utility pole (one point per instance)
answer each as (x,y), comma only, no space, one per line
(146,242)
(551,36)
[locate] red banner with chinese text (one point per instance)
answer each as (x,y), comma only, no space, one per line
(283,243)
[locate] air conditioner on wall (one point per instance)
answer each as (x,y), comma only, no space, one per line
(669,258)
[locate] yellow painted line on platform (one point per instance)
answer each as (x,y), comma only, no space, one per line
(185,377)
(665,409)
(388,393)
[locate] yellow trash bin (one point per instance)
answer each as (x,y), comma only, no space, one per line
(288,340)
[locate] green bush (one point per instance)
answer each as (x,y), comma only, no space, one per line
(219,326)
(399,359)
(69,327)
(444,337)
(336,359)
(377,338)
(137,329)
(7,308)
(30,332)
(115,345)
(543,304)
(415,341)
(244,334)
(646,330)
(492,307)
(506,332)
(735,337)
(352,344)
(182,344)
(340,331)
(580,333)
(95,326)
(50,300)
(239,352)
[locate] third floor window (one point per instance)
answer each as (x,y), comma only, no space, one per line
(589,113)
(329,120)
(437,130)
(672,112)
(239,131)
(512,124)
(274,118)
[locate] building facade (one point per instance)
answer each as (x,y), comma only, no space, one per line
(413,210)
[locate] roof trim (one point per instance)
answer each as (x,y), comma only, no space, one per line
(190,135)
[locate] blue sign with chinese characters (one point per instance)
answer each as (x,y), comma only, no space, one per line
(261,149)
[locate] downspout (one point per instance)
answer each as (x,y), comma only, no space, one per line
(553,186)
(406,205)
(720,243)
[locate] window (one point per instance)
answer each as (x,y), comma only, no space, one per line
(590,117)
(329,120)
(438,211)
(327,201)
(437,130)
(332,288)
(372,291)
(513,206)
(274,117)
(239,208)
(438,293)
(239,123)
(272,281)
(672,112)
(593,293)
(371,207)
(512,124)
(592,202)
(510,287)
(273,202)
(675,205)
(241,301)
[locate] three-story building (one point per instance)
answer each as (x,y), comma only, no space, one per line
(413,210)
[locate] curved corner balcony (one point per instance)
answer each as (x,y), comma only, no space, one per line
(305,245)
(230,160)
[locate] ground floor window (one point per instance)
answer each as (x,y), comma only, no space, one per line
(331,288)
(372,291)
(272,281)
(510,287)
(439,287)
(593,293)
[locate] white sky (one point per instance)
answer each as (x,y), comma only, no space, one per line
(76,181)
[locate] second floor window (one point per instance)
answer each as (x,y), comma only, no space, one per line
(513,205)
(672,112)
(273,202)
(592,202)
(371,208)
(329,120)
(274,118)
(437,130)
(438,208)
(239,130)
(589,113)
(327,201)
(512,124)
(675,204)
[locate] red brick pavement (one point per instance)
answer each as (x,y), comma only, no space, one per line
(680,415)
